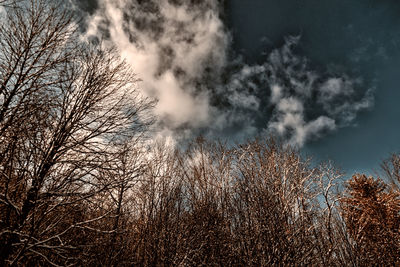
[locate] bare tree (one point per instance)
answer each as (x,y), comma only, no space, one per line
(255,204)
(78,185)
(127,173)
(64,108)
(9,3)
(391,168)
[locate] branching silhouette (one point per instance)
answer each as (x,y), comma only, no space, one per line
(64,109)
(81,184)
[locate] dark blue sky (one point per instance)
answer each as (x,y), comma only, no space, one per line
(362,37)
(246,75)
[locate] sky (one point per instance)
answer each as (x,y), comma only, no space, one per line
(322,75)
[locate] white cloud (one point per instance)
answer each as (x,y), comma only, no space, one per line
(177,105)
(333,87)
(307,104)
(276,93)
(290,105)
(168,47)
(180,52)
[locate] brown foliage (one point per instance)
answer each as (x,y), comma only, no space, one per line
(371,212)
(78,186)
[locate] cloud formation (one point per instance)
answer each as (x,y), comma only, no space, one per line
(182,52)
(306,103)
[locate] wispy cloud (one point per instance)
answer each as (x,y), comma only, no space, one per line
(307,103)
(182,52)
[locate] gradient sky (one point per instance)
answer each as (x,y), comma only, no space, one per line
(363,36)
(322,74)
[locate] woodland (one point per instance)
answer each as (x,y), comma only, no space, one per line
(82,183)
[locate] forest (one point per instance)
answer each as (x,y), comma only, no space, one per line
(83,183)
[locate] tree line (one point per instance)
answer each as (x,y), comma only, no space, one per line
(80,183)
